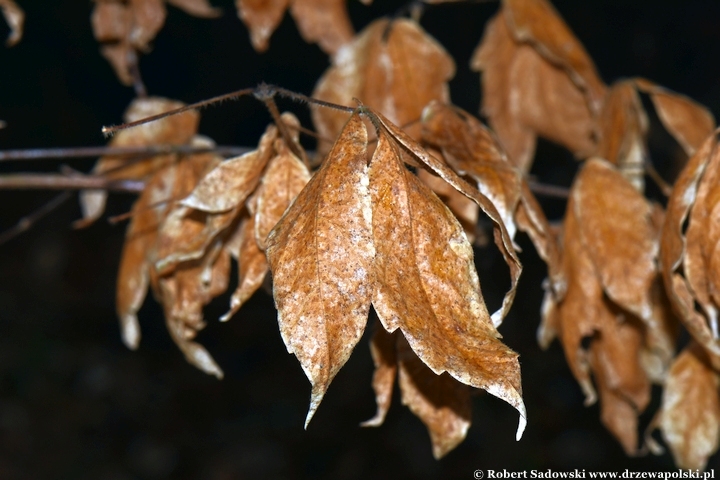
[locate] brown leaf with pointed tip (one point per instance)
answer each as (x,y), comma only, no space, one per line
(148,19)
(282,181)
(472,150)
(674,248)
(426,283)
(622,130)
(15,18)
(440,168)
(320,254)
(620,378)
(392,66)
(524,96)
(464,209)
(183,295)
(441,402)
(578,312)
(383,351)
(253,267)
(174,130)
(689,122)
(125,27)
(538,23)
(689,417)
(230,183)
(617,233)
(324,22)
(140,248)
(261,17)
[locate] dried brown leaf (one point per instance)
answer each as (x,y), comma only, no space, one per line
(472,150)
(183,295)
(394,67)
(538,23)
(689,122)
(617,233)
(148,18)
(15,18)
(384,355)
(139,250)
(674,249)
(524,96)
(125,27)
(441,402)
(689,417)
(620,378)
(426,283)
(282,181)
(230,183)
(501,236)
(622,128)
(464,209)
(174,130)
(578,313)
(261,17)
(320,254)
(252,269)
(325,22)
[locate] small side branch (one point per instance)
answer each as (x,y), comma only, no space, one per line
(43,181)
(94,152)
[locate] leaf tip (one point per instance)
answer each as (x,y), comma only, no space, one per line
(130,331)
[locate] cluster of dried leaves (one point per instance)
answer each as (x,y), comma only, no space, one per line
(389,217)
(616,322)
(127,27)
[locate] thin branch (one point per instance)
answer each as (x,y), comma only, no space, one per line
(28,221)
(84,152)
(49,181)
(546,190)
(108,131)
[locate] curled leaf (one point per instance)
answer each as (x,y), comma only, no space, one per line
(685,266)
(427,285)
(686,120)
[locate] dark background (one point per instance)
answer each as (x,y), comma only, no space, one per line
(74,403)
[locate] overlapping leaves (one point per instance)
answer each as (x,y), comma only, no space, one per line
(127,27)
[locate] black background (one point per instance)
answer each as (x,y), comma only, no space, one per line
(74,403)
